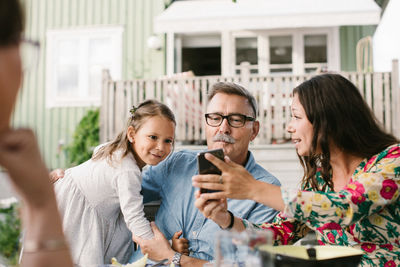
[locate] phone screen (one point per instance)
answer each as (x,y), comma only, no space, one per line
(206,167)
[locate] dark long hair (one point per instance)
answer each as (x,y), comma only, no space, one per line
(11,22)
(144,111)
(339,115)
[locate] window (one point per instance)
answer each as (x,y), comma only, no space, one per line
(246,51)
(315,52)
(75,60)
(280,51)
(288,51)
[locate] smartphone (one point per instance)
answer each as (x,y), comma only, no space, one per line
(206,167)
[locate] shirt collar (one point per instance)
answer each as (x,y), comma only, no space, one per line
(251,162)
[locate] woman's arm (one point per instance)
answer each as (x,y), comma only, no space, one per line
(372,188)
(238,183)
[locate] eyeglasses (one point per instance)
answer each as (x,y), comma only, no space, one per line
(234,120)
(29,51)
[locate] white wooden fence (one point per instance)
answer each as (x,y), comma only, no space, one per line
(187,97)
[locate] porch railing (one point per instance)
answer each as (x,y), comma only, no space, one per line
(187,97)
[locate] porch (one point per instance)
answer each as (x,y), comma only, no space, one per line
(187,97)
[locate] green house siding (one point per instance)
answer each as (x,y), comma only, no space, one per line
(349,36)
(54,127)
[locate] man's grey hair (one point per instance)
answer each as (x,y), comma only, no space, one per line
(230,88)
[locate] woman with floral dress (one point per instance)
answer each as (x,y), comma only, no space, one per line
(350,189)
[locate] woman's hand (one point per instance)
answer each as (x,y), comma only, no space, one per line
(235,182)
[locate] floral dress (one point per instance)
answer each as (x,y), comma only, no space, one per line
(364,215)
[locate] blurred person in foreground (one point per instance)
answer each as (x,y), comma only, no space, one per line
(349,194)
(44,242)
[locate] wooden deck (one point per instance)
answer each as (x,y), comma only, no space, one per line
(187,97)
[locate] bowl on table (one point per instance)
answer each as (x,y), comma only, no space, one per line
(310,256)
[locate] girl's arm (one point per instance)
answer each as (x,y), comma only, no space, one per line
(158,248)
(128,186)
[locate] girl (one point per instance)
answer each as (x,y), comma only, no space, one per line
(100,201)
(349,193)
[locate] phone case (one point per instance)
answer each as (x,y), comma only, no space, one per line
(206,167)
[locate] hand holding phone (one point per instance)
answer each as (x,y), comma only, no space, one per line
(206,167)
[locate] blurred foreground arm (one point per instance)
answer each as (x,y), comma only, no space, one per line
(44,240)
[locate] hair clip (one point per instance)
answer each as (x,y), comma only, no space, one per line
(133,110)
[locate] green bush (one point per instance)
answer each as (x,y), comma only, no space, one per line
(86,138)
(10,229)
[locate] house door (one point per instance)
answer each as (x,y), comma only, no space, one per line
(202,60)
(198,53)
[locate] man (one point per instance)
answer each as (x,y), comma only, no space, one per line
(230,124)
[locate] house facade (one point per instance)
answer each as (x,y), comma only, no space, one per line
(386,40)
(78,38)
(151,38)
(212,37)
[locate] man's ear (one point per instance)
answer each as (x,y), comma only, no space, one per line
(130,134)
(256,129)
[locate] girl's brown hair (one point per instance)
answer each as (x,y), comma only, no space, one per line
(146,109)
(339,115)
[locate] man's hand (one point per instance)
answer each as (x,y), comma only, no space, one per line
(158,247)
(56,174)
(215,210)
(180,245)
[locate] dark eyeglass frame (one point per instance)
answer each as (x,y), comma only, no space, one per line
(228,118)
(34,43)
(29,48)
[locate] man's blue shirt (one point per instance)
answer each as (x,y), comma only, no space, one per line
(171,182)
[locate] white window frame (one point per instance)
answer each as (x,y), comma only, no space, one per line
(192,41)
(333,47)
(115,33)
(245,34)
